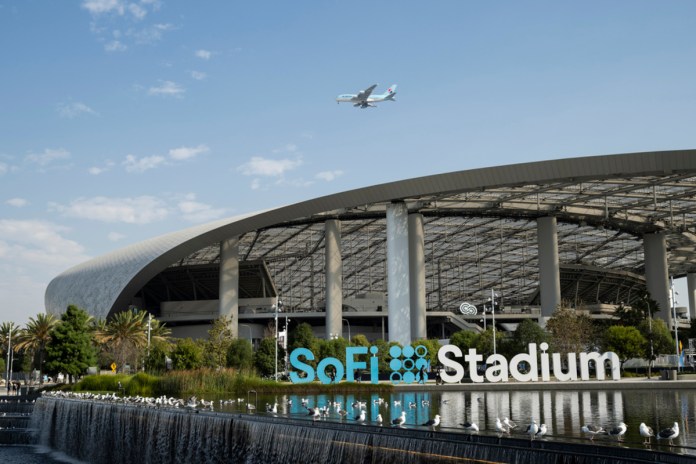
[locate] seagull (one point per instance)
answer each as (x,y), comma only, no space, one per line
(499,427)
(433,422)
(669,434)
(532,429)
(646,432)
(401,420)
(509,424)
(379,419)
(542,431)
(470,427)
(592,430)
(361,417)
(618,431)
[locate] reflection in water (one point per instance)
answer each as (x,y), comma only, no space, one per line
(563,412)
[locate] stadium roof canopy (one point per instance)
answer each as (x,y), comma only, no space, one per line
(480,234)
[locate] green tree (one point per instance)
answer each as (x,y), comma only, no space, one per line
(156,360)
(359,340)
(124,337)
(71,349)
(187,354)
(626,342)
(464,339)
(35,336)
(640,310)
(219,340)
(240,354)
(663,341)
(527,332)
(264,358)
(571,331)
(303,337)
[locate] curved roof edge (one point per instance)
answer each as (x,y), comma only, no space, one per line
(102,284)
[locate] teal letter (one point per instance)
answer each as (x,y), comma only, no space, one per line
(321,370)
(374,366)
(351,363)
(299,365)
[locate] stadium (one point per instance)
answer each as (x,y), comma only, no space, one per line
(422,257)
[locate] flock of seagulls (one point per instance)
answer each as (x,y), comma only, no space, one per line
(503,427)
(618,432)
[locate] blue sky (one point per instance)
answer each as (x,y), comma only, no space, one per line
(121,120)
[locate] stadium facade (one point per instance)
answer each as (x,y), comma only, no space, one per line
(420,257)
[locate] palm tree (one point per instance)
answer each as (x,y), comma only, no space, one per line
(8,332)
(35,336)
(125,335)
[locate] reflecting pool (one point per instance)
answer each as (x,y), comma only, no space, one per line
(563,412)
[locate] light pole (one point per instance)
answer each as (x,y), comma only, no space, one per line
(9,362)
(674,313)
(277,308)
(493,313)
(652,352)
(346,320)
(149,331)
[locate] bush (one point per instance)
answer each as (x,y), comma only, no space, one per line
(240,355)
(102,383)
(187,354)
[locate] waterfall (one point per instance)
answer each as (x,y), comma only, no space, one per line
(106,433)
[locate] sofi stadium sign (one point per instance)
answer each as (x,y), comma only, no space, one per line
(408,363)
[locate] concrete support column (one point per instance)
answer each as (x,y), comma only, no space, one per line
(416,260)
(657,274)
(228,304)
(398,274)
(549,275)
(691,290)
(334,278)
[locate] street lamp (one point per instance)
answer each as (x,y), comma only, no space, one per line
(277,308)
(493,314)
(652,352)
(9,362)
(674,312)
(346,321)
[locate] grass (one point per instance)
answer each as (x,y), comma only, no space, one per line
(212,382)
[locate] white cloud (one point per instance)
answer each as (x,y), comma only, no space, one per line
(115,236)
(137,11)
(167,88)
(204,54)
(140,165)
(199,76)
(183,153)
(258,166)
(328,176)
(17,202)
(136,210)
(48,156)
(150,34)
(74,109)
(96,170)
(115,46)
(32,242)
(97,7)
(195,211)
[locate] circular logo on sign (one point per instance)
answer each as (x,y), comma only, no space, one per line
(468,309)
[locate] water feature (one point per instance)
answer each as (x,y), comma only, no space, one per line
(99,432)
(564,412)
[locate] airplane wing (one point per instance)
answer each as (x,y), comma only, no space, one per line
(364,94)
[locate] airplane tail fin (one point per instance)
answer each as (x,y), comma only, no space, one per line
(391,92)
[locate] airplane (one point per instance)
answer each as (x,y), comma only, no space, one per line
(365,99)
